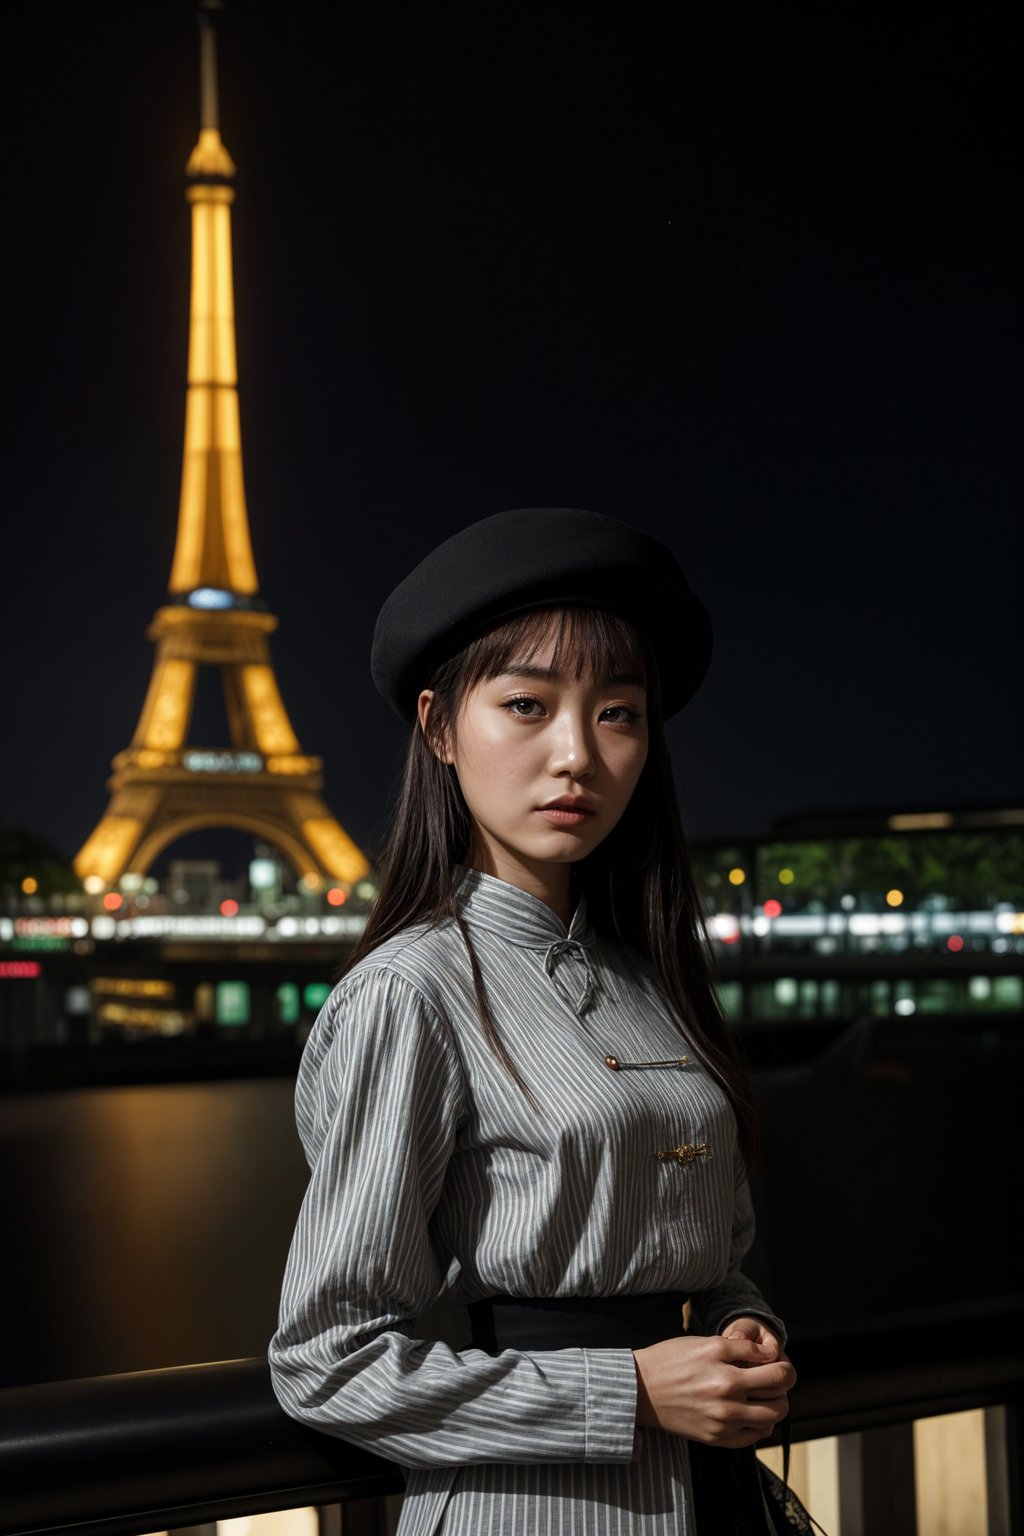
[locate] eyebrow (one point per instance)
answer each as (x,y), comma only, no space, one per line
(550,675)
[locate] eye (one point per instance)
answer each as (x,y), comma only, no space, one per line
(620,714)
(523,707)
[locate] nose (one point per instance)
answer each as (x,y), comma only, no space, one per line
(573,753)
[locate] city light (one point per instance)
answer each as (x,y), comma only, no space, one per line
(336,897)
(51,927)
(866,925)
(955,943)
(737,876)
(210,597)
(29,885)
(894,898)
(20,970)
(772,908)
(222,762)
(212,926)
(112,901)
(131,986)
(786,877)
(229,908)
(263,875)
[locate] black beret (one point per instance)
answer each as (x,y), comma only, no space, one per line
(536,557)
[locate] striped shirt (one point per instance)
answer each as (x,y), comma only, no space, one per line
(431,1168)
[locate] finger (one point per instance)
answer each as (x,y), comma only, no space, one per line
(739,1350)
(763,1380)
(777,1406)
(739,1330)
(759,1417)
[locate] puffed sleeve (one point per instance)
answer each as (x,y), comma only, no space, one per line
(736,1295)
(379,1100)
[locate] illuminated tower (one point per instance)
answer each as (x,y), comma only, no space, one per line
(261,782)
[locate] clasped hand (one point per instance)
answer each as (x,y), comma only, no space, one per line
(729,1390)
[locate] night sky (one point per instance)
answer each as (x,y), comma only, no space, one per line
(748,277)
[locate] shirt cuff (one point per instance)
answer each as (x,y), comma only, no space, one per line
(610,1404)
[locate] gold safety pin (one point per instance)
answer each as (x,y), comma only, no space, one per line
(615,1065)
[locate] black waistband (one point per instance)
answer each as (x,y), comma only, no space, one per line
(575,1322)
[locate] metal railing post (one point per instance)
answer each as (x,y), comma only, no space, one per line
(1003,1432)
(876,1482)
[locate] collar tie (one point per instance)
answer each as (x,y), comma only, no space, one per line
(576,962)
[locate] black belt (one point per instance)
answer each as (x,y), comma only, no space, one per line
(726,1486)
(575,1322)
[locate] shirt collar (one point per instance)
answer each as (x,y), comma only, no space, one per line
(518,917)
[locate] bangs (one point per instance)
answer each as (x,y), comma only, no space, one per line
(586,643)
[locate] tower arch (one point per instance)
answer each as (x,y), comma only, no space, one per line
(162,838)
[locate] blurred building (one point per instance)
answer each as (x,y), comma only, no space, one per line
(867,914)
(820,922)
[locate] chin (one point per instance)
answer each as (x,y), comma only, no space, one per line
(566,848)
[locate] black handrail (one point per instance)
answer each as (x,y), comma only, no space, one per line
(158,1449)
(153,1450)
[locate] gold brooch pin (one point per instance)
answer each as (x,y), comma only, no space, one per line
(615,1065)
(684,1155)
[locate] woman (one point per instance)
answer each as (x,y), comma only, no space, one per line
(522,1087)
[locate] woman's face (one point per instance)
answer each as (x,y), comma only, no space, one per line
(547,763)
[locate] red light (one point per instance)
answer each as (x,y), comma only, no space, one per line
(955,943)
(229,908)
(112,901)
(20,970)
(732,937)
(336,897)
(772,909)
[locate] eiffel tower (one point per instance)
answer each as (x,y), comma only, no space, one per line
(262,783)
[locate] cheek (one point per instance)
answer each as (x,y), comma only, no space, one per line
(485,760)
(629,758)
(495,747)
(628,770)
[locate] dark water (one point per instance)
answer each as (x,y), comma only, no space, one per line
(143,1226)
(149,1226)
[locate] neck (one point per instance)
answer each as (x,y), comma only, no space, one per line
(550,883)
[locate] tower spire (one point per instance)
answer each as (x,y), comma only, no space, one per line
(213,547)
(214,615)
(208,112)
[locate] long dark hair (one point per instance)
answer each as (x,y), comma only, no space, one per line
(639,882)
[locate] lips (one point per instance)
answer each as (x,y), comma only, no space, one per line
(567,811)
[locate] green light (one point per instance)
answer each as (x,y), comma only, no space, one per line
(232,1003)
(288,1009)
(315,995)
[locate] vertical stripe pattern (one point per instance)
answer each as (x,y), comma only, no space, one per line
(429,1166)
